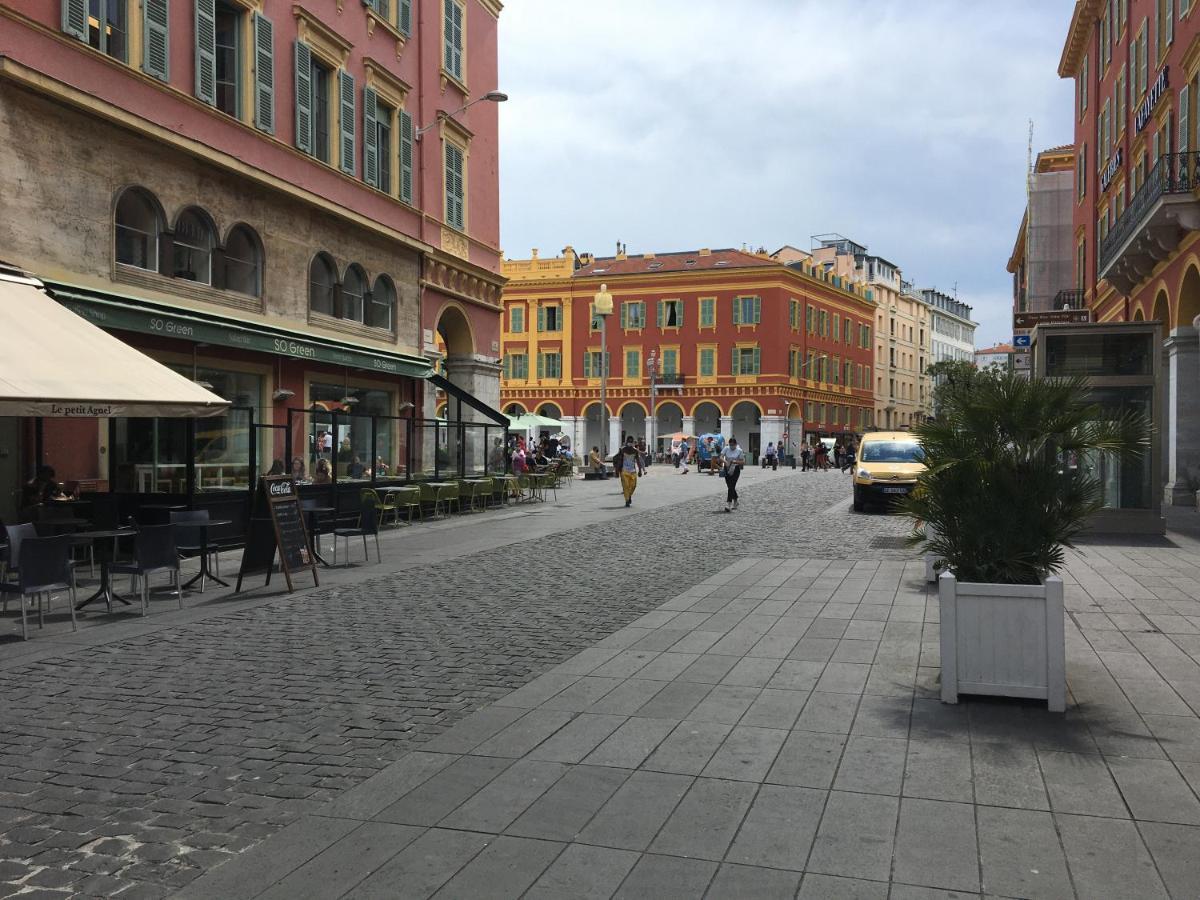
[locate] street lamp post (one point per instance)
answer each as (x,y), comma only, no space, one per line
(602,305)
(652,423)
(803,366)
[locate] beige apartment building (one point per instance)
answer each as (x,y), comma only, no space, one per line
(902,330)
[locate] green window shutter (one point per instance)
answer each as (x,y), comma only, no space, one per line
(541,365)
(757,362)
(607,364)
(624,315)
(406,157)
(541,318)
(452,53)
(737,311)
(404,17)
(454,187)
(264,74)
(304,122)
(156,53)
(370,138)
(346,119)
(734,368)
(384,8)
(679,313)
(757,310)
(75,18)
(658,312)
(206,51)
(507,366)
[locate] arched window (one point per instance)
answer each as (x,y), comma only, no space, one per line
(194,242)
(354,286)
(243,262)
(382,303)
(322,282)
(138,225)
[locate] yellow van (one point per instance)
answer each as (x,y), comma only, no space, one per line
(888,465)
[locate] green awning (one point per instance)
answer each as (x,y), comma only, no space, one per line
(144,317)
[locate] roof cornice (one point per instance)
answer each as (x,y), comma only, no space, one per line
(1085,15)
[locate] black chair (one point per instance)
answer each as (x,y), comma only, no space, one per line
(194,538)
(45,568)
(368,524)
(154,550)
(15,534)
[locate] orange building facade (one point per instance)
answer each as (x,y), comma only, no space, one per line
(1136,67)
(739,343)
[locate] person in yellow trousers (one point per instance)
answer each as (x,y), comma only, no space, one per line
(631,469)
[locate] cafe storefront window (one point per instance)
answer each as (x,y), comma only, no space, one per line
(364,431)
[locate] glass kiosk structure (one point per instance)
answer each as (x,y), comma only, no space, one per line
(1122,362)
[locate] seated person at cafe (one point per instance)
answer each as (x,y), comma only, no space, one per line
(595,461)
(381,468)
(356,469)
(321,472)
(277,468)
(299,473)
(42,488)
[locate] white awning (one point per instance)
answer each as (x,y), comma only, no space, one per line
(55,364)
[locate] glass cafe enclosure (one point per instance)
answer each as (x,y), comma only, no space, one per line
(1122,362)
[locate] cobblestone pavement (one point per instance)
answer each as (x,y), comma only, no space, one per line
(127,769)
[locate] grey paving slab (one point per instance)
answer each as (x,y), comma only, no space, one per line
(828,887)
(796,675)
(423,866)
(735,882)
(725,703)
(709,668)
(939,770)
(855,837)
(627,698)
(562,812)
(1107,859)
(747,754)
(885,717)
(524,734)
(871,765)
(844,678)
(366,800)
(704,823)
(1008,775)
(578,738)
(808,759)
(1021,855)
(588,873)
(636,812)
(1081,783)
(580,695)
(1176,851)
(779,828)
(438,796)
(1155,791)
(828,712)
(533,694)
(497,804)
(507,867)
(657,877)
(675,701)
(629,745)
(481,725)
(775,708)
(338,868)
(751,672)
(936,845)
(688,748)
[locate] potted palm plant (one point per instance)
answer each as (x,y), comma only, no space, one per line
(1009,484)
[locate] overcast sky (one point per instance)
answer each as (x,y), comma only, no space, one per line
(679,124)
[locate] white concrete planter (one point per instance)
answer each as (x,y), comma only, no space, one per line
(1003,640)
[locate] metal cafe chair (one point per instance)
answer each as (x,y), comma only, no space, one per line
(45,568)
(16,535)
(154,550)
(368,525)
(193,538)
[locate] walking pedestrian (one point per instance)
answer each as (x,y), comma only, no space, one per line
(631,470)
(684,452)
(849,456)
(805,458)
(770,458)
(734,458)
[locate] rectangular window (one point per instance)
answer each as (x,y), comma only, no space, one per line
(319,78)
(550,365)
(708,312)
(633,314)
(1081,172)
(549,318)
(516,319)
(746,361)
(670,313)
(452,56)
(381,122)
(835,371)
(591,363)
(670,364)
(837,327)
(848,375)
(1119,120)
(1143,58)
(1105,38)
(1184,113)
(228,58)
(747,310)
(633,363)
(1083,87)
(518,365)
(708,362)
(455,165)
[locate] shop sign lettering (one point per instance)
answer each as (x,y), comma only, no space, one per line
(1152,97)
(171,327)
(291,348)
(1110,171)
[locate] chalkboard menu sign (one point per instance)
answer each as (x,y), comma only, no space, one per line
(276,525)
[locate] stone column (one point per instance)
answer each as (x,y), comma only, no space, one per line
(770,431)
(689,425)
(481,378)
(614,434)
(727,427)
(1181,418)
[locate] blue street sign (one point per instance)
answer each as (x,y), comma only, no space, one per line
(1022,340)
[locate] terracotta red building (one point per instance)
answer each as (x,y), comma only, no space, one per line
(296,203)
(741,344)
(1136,68)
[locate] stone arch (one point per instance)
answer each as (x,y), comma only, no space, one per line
(632,415)
(706,414)
(515,409)
(589,426)
(1188,303)
(668,416)
(454,328)
(1162,308)
(550,410)
(747,424)
(1138,314)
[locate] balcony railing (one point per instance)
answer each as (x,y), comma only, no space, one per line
(1069,299)
(1174,174)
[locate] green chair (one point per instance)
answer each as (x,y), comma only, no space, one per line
(448,494)
(429,496)
(406,498)
(466,491)
(382,507)
(482,493)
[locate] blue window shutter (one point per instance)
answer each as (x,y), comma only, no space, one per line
(406,157)
(264,74)
(404,17)
(206,51)
(156,54)
(371,138)
(304,121)
(346,123)
(75,18)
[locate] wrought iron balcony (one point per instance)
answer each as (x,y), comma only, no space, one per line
(1069,299)
(1158,217)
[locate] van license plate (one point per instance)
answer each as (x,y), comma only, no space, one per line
(895,490)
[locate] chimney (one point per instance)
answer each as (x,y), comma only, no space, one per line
(648,256)
(534,253)
(704,251)
(620,250)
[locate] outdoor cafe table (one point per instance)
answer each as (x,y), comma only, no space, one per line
(204,527)
(440,486)
(105,593)
(312,522)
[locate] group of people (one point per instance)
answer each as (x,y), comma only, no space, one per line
(629,462)
(526,455)
(323,474)
(816,457)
